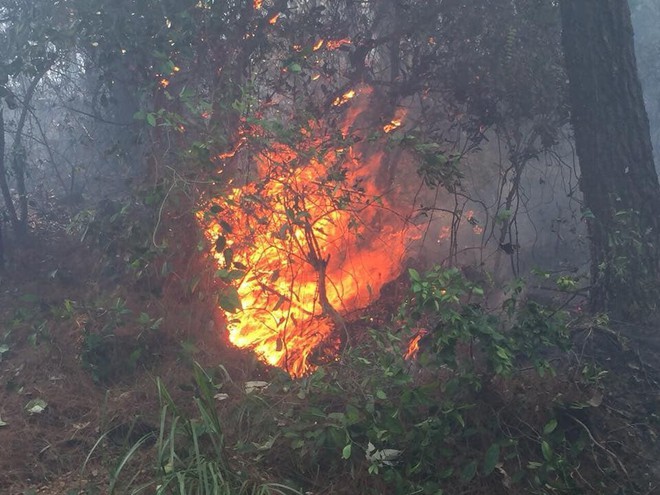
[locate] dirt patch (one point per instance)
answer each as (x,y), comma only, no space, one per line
(53,303)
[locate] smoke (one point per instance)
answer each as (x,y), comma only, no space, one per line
(646,19)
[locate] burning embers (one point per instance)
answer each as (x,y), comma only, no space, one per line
(307,239)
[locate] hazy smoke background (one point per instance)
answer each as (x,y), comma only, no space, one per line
(646,19)
(79,159)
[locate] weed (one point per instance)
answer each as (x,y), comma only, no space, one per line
(105,352)
(376,421)
(191,455)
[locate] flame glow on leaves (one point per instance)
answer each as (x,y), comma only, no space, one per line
(310,237)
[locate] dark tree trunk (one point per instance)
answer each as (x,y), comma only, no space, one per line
(18,153)
(4,184)
(618,178)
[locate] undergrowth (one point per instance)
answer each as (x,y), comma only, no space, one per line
(480,409)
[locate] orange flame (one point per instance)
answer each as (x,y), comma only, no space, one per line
(309,237)
(258,4)
(472,220)
(413,345)
(273,19)
(445,233)
(232,152)
(334,44)
(397,121)
(318,45)
(340,100)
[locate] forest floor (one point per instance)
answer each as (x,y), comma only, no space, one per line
(53,304)
(58,398)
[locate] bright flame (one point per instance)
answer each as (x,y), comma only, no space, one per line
(340,100)
(397,121)
(334,44)
(273,19)
(318,45)
(309,238)
(232,152)
(394,124)
(413,345)
(258,4)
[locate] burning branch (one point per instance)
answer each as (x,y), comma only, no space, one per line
(312,236)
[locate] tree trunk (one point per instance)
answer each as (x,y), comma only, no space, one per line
(4,184)
(618,178)
(18,153)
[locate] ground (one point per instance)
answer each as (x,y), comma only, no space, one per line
(52,298)
(57,306)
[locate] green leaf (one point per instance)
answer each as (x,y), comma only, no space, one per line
(352,414)
(151,119)
(225,226)
(491,459)
(346,452)
(547,450)
(36,406)
(220,244)
(295,68)
(230,300)
(229,275)
(587,214)
(381,395)
(469,471)
(235,274)
(550,427)
(229,256)
(3,423)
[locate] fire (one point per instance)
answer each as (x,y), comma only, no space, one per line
(445,233)
(274,19)
(413,346)
(335,44)
(318,45)
(472,220)
(232,152)
(396,122)
(258,4)
(307,240)
(340,100)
